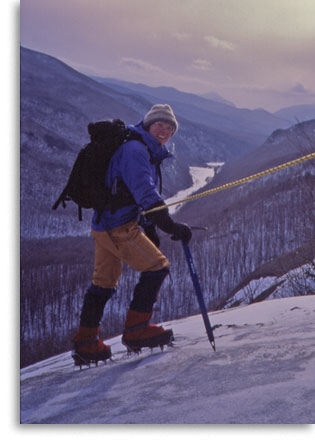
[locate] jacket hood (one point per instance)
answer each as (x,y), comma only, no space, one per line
(158,151)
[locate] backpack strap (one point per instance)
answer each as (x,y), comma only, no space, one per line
(158,167)
(61,199)
(160,177)
(133,136)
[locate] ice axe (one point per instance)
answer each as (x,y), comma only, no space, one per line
(198,291)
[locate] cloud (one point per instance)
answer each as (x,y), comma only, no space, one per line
(201,65)
(138,70)
(139,65)
(218,43)
(181,36)
(298,88)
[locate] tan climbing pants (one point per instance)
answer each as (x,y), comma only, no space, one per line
(126,243)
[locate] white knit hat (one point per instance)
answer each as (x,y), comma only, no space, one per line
(160,112)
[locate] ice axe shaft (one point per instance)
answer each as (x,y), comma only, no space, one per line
(198,291)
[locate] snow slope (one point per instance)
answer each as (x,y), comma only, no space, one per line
(263,372)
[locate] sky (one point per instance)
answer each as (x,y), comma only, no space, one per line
(256,53)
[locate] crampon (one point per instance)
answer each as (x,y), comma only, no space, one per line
(164,339)
(86,359)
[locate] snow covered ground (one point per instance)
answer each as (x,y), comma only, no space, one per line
(200,177)
(263,372)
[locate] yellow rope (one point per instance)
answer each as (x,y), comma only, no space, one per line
(235,183)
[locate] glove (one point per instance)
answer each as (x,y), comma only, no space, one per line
(163,220)
(151,233)
(181,232)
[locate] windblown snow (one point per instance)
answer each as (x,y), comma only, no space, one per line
(263,372)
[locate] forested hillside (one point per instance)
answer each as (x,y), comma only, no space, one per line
(260,221)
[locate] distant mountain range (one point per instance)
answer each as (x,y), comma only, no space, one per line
(217,98)
(297,113)
(261,119)
(251,127)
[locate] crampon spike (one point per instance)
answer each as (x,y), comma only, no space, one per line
(131,350)
(80,361)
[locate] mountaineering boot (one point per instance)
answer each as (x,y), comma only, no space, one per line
(140,333)
(88,347)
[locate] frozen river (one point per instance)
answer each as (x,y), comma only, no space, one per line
(200,177)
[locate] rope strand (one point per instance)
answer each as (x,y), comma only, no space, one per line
(234,183)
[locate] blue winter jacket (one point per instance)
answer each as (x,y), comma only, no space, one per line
(136,164)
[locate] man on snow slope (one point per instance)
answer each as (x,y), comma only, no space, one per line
(118,238)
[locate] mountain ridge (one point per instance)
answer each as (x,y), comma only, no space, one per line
(252,125)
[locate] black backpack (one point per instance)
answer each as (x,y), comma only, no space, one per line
(86,183)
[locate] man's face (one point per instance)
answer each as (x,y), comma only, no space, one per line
(161,131)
